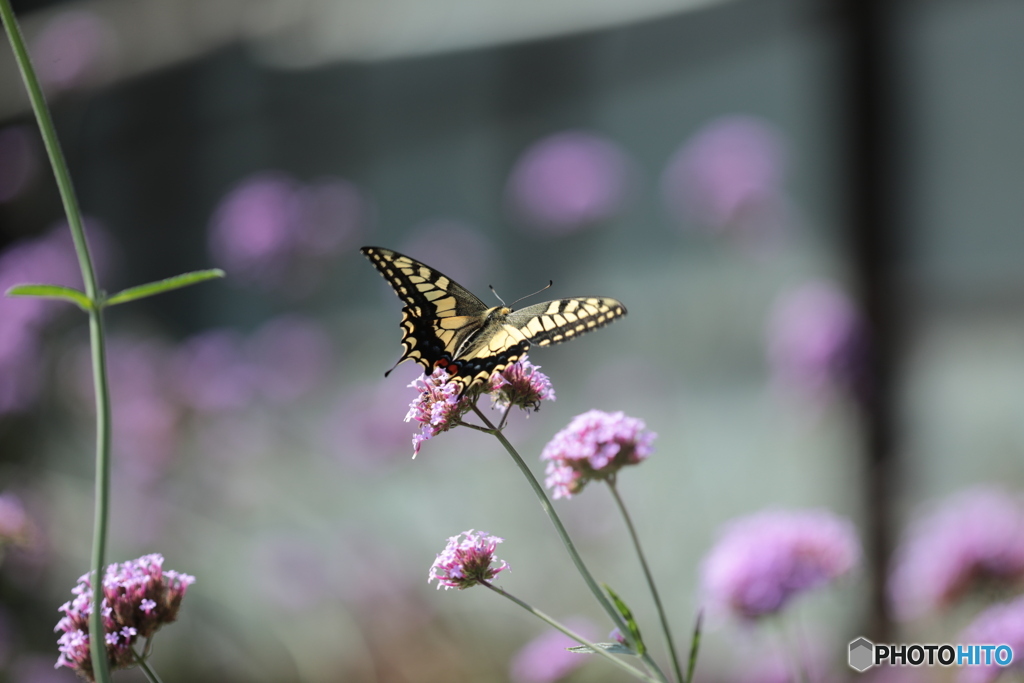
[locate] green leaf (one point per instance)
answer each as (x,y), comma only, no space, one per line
(694,647)
(630,621)
(614,648)
(53,292)
(160,286)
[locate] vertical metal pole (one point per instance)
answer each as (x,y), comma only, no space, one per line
(869,101)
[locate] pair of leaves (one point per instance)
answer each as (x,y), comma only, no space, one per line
(80,299)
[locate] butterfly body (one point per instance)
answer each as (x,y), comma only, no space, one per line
(445,325)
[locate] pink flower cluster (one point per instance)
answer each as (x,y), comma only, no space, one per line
(440,406)
(1000,624)
(762,561)
(595,445)
(465,562)
(139,597)
(974,539)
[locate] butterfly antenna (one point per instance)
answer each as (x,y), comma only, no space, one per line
(495,292)
(549,285)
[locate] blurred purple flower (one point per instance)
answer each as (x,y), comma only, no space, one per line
(974,539)
(139,597)
(291,356)
(1001,624)
(521,384)
(568,181)
(49,259)
(18,160)
(595,445)
(728,177)
(437,408)
(431,242)
(762,561)
(15,526)
(212,374)
(363,430)
(815,341)
(545,659)
(71,49)
(465,562)
(273,230)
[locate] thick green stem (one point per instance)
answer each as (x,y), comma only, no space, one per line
(578,638)
(650,581)
(97,642)
(567,542)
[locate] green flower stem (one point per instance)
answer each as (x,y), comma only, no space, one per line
(650,580)
(150,674)
(97,643)
(579,639)
(567,542)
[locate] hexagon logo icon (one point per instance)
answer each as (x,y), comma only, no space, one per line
(862,654)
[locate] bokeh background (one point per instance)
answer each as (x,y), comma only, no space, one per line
(798,337)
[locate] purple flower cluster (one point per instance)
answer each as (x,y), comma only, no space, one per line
(439,406)
(595,445)
(521,384)
(1001,624)
(274,230)
(815,341)
(973,540)
(465,562)
(762,561)
(568,181)
(139,597)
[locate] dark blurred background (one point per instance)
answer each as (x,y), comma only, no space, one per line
(813,211)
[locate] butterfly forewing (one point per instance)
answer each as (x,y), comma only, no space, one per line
(554,322)
(445,325)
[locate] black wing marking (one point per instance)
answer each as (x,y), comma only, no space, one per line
(554,322)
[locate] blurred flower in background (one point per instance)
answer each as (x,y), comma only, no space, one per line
(19,160)
(815,342)
(49,259)
(457,249)
(728,178)
(273,230)
(73,49)
(763,561)
(974,540)
(545,659)
(568,181)
(1001,624)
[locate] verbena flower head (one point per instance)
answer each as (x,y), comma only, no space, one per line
(139,597)
(467,561)
(1001,624)
(595,445)
(974,540)
(438,408)
(762,561)
(521,384)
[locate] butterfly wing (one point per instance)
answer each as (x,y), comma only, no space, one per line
(554,322)
(506,338)
(439,314)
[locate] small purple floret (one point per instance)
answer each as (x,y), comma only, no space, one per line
(521,384)
(595,445)
(466,562)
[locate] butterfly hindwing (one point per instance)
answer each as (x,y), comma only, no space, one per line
(445,325)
